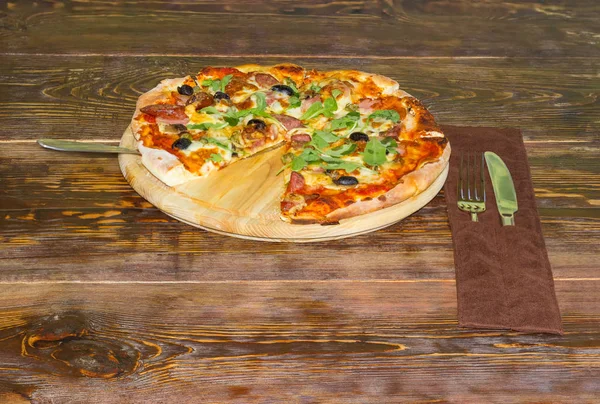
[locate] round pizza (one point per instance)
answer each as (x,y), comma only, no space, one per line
(354,142)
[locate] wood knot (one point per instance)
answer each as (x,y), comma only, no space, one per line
(69,342)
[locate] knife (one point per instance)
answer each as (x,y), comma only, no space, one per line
(504,188)
(71,146)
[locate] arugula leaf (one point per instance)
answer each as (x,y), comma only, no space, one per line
(351,107)
(327,136)
(315,87)
(329,107)
(206,126)
(349,121)
(210,110)
(385,114)
(374,154)
(261,101)
(321,108)
(294,102)
(215,157)
(336,92)
(390,145)
(310,155)
(346,148)
(217,143)
(298,163)
(231,120)
(292,85)
(312,111)
(224,81)
(342,165)
(217,85)
(321,139)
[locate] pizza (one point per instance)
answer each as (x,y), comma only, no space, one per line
(354,142)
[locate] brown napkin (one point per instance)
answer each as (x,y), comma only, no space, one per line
(503,276)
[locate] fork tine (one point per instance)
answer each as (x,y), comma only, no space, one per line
(468,176)
(482,177)
(459,192)
(477,194)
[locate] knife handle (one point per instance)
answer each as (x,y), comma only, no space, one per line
(508,220)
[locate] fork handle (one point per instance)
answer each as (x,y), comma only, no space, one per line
(474,217)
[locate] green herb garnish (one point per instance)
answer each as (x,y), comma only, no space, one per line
(291,84)
(349,121)
(224,81)
(294,102)
(326,108)
(217,85)
(312,111)
(216,158)
(314,87)
(374,154)
(390,145)
(385,114)
(210,110)
(321,139)
(217,143)
(344,149)
(206,126)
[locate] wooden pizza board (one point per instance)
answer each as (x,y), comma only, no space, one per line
(242,200)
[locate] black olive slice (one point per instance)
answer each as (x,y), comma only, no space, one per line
(258,124)
(346,180)
(282,88)
(182,143)
(359,137)
(185,90)
(219,95)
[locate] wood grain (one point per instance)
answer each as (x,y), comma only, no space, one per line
(105,299)
(94,97)
(327,342)
(331,28)
(55,207)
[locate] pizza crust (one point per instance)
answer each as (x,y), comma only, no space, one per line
(412,184)
(165,166)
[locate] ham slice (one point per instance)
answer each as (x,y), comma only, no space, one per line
(301,138)
(167,113)
(367,105)
(289,122)
(296,182)
(265,80)
(309,101)
(394,132)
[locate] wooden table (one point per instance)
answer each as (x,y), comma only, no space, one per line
(103,298)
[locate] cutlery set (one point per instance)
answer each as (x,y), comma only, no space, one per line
(470,191)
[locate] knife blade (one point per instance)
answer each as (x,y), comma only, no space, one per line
(504,188)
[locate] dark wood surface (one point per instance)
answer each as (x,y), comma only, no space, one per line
(105,299)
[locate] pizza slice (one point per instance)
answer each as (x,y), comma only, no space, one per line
(366,146)
(190,127)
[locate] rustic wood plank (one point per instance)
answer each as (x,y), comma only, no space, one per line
(54,208)
(133,244)
(94,97)
(324,342)
(565,175)
(429,28)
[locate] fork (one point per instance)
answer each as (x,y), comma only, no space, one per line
(470,198)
